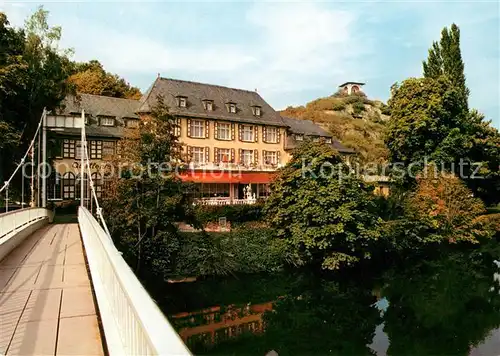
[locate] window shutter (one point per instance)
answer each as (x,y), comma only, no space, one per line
(256,138)
(207,128)
(232,155)
(189,129)
(216,153)
(207,154)
(264,153)
(240,151)
(216,129)
(264,134)
(232,132)
(240,132)
(278,135)
(278,154)
(190,153)
(256,156)
(178,127)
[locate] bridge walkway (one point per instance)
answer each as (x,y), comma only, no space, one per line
(46,300)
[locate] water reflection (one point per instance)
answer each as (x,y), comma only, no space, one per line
(447,306)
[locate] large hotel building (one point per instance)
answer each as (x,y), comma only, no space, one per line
(222,130)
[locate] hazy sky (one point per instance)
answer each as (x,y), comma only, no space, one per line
(292,52)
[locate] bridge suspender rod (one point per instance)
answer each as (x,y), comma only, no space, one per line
(26,154)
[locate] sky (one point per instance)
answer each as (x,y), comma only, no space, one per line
(290,52)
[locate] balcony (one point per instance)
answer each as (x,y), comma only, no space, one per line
(224,201)
(228,166)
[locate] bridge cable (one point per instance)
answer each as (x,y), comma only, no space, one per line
(90,181)
(20,164)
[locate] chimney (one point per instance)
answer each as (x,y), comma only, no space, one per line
(256,90)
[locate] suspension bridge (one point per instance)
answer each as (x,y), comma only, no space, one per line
(64,288)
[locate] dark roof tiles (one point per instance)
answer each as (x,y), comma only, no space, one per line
(97,105)
(220,95)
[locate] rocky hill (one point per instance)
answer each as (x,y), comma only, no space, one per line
(357,121)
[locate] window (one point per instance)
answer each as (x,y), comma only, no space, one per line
(271,134)
(182,102)
(97,180)
(299,137)
(232,108)
(95,149)
(107,121)
(246,157)
(212,190)
(315,139)
(328,140)
(224,131)
(198,155)
(247,133)
(264,190)
(132,123)
(108,148)
(69,148)
(224,155)
(208,105)
(197,127)
(68,185)
(256,110)
(78,149)
(270,157)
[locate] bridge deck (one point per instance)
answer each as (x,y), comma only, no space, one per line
(46,303)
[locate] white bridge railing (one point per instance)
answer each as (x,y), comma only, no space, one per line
(132,322)
(16,220)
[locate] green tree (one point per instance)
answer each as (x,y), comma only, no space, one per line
(91,78)
(321,210)
(146,203)
(423,112)
(445,58)
(33,73)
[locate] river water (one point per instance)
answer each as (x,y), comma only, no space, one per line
(446,306)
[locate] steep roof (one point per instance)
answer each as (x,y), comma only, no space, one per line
(305,127)
(309,128)
(97,105)
(357,83)
(195,93)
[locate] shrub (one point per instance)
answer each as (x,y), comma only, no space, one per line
(242,250)
(233,213)
(338,106)
(358,107)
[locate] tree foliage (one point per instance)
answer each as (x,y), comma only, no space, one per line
(146,204)
(430,119)
(33,73)
(91,78)
(321,210)
(445,59)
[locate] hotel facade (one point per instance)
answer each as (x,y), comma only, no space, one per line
(233,139)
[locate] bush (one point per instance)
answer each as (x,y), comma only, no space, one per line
(233,213)
(242,250)
(358,107)
(339,106)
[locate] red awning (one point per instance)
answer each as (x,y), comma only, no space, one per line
(227,177)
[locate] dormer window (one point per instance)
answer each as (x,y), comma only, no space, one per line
(328,140)
(208,105)
(256,110)
(181,101)
(231,107)
(107,121)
